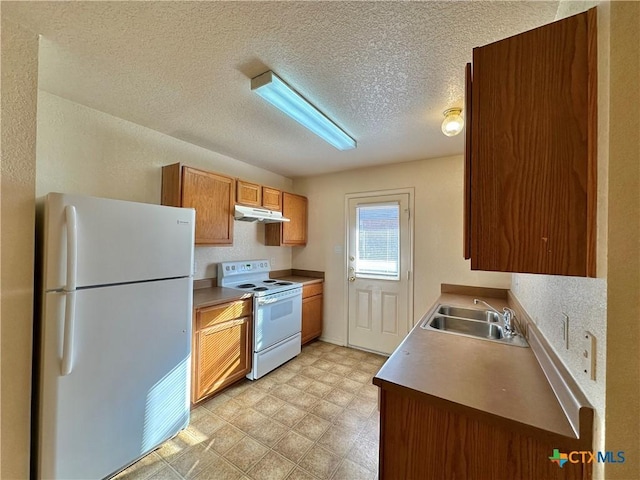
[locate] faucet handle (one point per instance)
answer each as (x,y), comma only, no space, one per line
(508,317)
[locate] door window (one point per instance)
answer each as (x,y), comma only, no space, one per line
(378,241)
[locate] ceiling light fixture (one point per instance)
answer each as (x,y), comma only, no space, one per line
(453,122)
(275,91)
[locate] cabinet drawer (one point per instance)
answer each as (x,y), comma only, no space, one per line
(208,316)
(312,289)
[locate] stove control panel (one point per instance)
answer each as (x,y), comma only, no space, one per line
(228,269)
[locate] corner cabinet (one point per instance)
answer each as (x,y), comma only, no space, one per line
(222,343)
(210,194)
(294,232)
(311,311)
(530,156)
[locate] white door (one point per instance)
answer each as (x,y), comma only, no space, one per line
(379,271)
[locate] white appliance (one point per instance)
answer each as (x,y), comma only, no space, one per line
(251,214)
(277,312)
(115,333)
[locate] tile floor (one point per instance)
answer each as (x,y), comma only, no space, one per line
(315,417)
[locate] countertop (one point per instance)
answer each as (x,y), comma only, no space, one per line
(502,383)
(212,295)
(207,297)
(300,279)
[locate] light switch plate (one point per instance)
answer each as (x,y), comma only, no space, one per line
(588,349)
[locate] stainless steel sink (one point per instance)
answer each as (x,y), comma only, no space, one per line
(467,327)
(479,324)
(472,314)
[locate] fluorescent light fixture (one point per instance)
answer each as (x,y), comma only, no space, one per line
(275,91)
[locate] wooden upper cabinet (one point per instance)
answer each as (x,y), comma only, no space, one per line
(210,194)
(271,198)
(294,232)
(249,194)
(531,164)
(254,195)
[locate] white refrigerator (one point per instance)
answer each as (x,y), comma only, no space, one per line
(114,332)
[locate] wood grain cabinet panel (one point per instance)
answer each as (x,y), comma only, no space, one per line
(254,195)
(249,194)
(271,198)
(531,163)
(210,194)
(312,312)
(222,347)
(421,441)
(294,232)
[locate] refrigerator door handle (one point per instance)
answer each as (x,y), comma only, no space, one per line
(70,290)
(72,247)
(69,327)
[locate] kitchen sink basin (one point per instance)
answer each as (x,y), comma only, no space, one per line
(472,314)
(480,324)
(467,327)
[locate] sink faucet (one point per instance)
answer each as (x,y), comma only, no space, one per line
(507,316)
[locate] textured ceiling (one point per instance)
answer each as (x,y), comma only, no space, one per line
(384,71)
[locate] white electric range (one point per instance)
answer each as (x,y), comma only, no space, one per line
(277,312)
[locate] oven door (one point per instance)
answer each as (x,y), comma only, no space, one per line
(277,316)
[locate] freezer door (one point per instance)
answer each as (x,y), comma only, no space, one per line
(114,241)
(128,386)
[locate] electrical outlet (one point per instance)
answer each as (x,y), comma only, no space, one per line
(565,330)
(588,349)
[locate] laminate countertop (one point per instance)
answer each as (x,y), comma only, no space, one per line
(500,383)
(207,297)
(300,279)
(210,295)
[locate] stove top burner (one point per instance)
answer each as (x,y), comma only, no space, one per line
(269,281)
(284,283)
(246,285)
(260,289)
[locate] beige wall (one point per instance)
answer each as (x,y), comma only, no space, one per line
(84,151)
(623,280)
(19,94)
(438,223)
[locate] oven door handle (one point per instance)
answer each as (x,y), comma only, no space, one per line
(267,301)
(262,301)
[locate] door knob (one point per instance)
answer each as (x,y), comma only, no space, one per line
(352,278)
(352,258)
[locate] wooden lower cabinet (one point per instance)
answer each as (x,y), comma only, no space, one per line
(311,311)
(421,441)
(221,347)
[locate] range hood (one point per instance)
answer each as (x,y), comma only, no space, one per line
(251,214)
